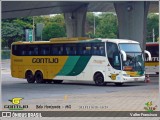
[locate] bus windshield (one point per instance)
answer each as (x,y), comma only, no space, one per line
(135,60)
(130,47)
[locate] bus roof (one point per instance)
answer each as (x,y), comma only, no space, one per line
(76,40)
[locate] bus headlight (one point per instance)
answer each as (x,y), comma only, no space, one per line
(126,75)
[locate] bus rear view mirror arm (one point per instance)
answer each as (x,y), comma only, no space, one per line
(124,55)
(149,54)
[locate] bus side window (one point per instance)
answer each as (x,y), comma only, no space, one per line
(87,49)
(98,49)
(57,50)
(45,50)
(79,49)
(36,51)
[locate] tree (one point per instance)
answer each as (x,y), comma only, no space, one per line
(53,30)
(90,23)
(108,26)
(152,23)
(13,30)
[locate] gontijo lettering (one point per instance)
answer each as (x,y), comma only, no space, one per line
(45,60)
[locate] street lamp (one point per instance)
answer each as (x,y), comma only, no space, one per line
(33,32)
(94,24)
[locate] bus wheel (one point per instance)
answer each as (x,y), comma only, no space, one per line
(39,77)
(99,79)
(118,84)
(29,76)
(57,81)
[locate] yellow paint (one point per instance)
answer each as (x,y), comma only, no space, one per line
(23,63)
(113,76)
(65,97)
(16,100)
(151,63)
(131,73)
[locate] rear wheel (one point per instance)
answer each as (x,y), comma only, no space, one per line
(118,84)
(99,79)
(29,76)
(57,81)
(39,77)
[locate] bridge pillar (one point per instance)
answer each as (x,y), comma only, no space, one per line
(75,22)
(132,18)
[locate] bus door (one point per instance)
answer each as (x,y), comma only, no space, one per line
(114,64)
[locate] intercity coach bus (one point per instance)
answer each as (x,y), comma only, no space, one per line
(99,60)
(153,65)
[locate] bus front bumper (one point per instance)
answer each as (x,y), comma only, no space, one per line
(133,79)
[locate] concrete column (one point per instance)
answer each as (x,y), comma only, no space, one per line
(75,22)
(132,18)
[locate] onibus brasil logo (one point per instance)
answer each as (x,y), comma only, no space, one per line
(16,104)
(149,107)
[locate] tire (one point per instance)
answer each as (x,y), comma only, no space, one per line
(99,79)
(118,84)
(39,77)
(29,76)
(57,81)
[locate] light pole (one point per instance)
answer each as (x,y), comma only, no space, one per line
(33,32)
(94,24)
(153,35)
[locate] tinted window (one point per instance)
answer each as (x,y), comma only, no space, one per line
(154,50)
(70,49)
(113,55)
(98,49)
(129,47)
(60,49)
(57,49)
(44,49)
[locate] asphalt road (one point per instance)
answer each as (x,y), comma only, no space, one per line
(13,87)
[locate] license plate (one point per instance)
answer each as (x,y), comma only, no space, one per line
(136,79)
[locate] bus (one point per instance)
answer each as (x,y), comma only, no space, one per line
(99,60)
(152,66)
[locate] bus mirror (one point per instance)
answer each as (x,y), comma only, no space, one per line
(149,55)
(124,55)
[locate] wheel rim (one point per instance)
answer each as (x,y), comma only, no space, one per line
(99,80)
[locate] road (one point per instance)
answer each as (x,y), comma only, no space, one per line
(78,93)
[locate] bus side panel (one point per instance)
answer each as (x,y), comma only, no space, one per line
(96,64)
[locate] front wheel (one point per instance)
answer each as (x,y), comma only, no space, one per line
(39,77)
(99,79)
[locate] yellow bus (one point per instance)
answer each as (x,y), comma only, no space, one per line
(99,60)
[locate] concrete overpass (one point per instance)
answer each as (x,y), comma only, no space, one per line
(132,15)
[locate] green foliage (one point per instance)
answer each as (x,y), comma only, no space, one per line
(106,25)
(14,30)
(53,30)
(54,26)
(152,23)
